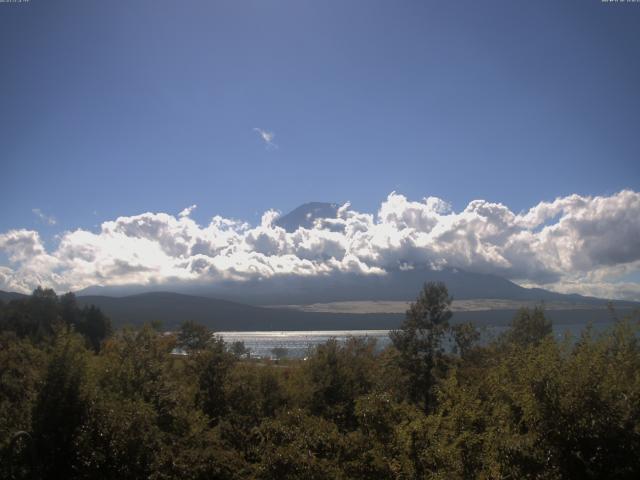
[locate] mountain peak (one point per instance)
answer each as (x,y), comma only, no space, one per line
(306,214)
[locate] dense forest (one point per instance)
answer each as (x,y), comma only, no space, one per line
(78,400)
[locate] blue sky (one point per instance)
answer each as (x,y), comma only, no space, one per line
(124,107)
(114,109)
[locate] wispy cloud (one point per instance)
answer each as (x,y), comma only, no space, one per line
(48,219)
(267,137)
(187,211)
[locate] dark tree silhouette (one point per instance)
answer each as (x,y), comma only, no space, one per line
(194,336)
(419,340)
(529,327)
(60,409)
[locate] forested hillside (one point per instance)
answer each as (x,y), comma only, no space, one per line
(78,400)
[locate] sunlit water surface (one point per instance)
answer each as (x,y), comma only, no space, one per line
(298,344)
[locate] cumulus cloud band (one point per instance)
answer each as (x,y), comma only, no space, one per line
(575,243)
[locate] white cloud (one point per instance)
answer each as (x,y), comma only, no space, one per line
(21,245)
(187,211)
(573,244)
(48,219)
(33,265)
(267,137)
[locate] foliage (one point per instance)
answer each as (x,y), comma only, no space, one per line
(528,327)
(61,408)
(212,368)
(193,336)
(419,341)
(297,445)
(522,406)
(42,314)
(239,349)
(337,375)
(465,336)
(22,367)
(279,352)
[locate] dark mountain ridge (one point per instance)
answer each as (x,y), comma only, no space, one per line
(6,297)
(396,285)
(171,309)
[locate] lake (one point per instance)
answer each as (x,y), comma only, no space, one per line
(298,343)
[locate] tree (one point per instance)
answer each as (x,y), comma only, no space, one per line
(119,439)
(279,352)
(296,445)
(94,325)
(337,375)
(529,327)
(239,349)
(61,408)
(35,317)
(21,371)
(132,362)
(213,366)
(44,313)
(193,336)
(465,335)
(69,310)
(419,341)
